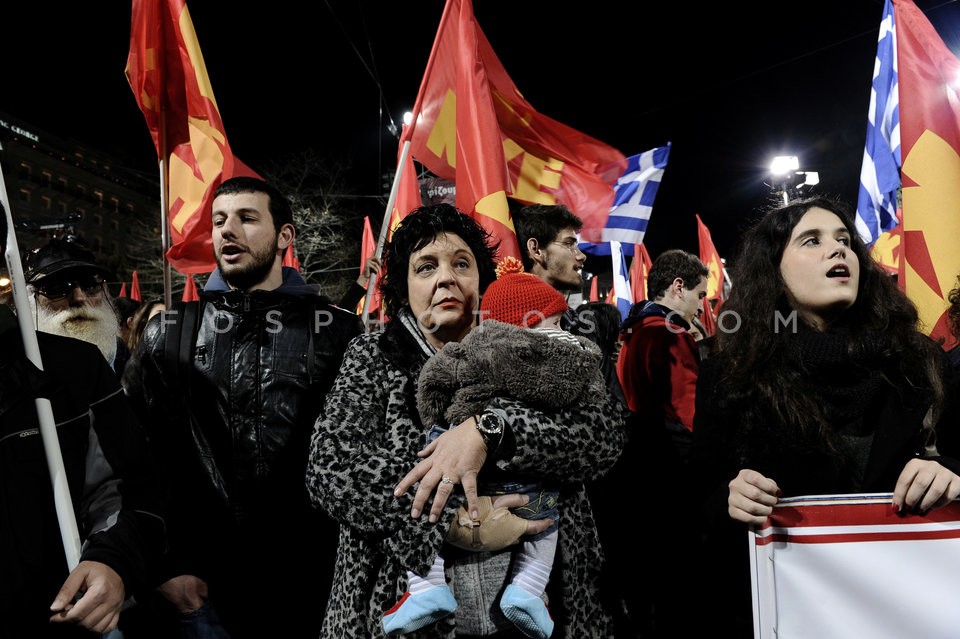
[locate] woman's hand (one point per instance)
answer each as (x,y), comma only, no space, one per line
(924,485)
(752,497)
(455,457)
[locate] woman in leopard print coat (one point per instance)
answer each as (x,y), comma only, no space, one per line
(362,447)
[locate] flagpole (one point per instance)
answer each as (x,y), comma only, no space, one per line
(405,151)
(69,533)
(164,221)
(384,226)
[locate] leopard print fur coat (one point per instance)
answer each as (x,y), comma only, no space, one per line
(367,441)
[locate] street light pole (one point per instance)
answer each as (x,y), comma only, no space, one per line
(787,177)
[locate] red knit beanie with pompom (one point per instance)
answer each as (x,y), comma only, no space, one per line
(520,298)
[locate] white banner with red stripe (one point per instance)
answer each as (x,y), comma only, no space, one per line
(846,566)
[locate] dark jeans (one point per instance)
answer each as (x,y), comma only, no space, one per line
(202,623)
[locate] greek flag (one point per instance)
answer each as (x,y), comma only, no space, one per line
(880,173)
(621,286)
(633,198)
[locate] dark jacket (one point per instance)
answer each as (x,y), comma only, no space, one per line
(233,431)
(895,415)
(115,499)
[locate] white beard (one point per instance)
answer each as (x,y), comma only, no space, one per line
(94,324)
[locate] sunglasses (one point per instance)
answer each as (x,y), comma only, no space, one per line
(90,285)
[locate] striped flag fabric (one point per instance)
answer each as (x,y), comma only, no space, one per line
(838,566)
(880,171)
(621,287)
(634,192)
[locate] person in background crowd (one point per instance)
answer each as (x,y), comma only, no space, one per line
(138,322)
(115,497)
(435,268)
(704,342)
(659,361)
(358,289)
(547,235)
(827,387)
(599,322)
(68,296)
(231,420)
(657,367)
(126,307)
(696,329)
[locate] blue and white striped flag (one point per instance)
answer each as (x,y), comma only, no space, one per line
(880,173)
(621,287)
(633,198)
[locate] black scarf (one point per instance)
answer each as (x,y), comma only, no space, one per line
(847,381)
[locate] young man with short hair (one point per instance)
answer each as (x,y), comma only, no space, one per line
(547,235)
(230,401)
(658,367)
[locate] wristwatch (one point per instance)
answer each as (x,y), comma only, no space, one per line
(490,427)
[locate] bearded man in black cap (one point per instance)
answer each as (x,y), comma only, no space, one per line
(68,295)
(114,494)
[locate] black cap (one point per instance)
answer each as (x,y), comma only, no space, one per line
(58,256)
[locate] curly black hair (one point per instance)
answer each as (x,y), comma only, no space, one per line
(418,229)
(757,370)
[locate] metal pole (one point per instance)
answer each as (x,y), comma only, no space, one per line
(69,532)
(164,221)
(384,226)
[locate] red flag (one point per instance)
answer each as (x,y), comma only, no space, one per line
(707,317)
(368,247)
(711,259)
(930,148)
(640,267)
(472,126)
(190,290)
(166,72)
(123,290)
(595,289)
(290,258)
(135,288)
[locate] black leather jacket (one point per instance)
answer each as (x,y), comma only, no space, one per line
(233,427)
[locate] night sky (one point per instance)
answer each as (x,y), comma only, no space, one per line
(730,85)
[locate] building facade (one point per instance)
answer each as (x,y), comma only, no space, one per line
(59,187)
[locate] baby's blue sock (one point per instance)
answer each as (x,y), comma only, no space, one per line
(427,600)
(527,612)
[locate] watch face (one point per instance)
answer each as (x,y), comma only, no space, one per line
(489,424)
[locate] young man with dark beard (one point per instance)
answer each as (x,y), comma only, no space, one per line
(230,401)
